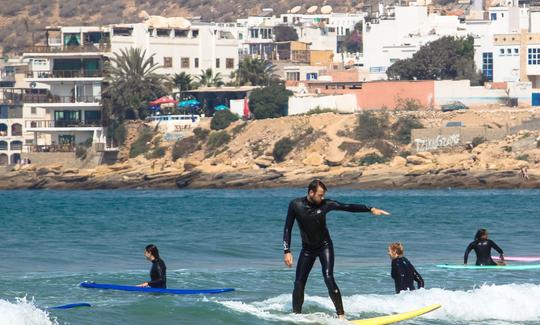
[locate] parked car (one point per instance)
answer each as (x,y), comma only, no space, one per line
(453,106)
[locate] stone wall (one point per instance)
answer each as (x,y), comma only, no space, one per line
(66,159)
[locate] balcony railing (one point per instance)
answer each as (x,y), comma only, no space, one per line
(52,148)
(43,124)
(14,98)
(104,47)
(66,74)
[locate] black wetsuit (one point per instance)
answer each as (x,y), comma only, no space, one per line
(404,275)
(158,274)
(316,242)
(482,248)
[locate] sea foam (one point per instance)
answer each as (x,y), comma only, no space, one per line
(24,312)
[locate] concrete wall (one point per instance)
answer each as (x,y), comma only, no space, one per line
(376,95)
(341,103)
(439,138)
(447,91)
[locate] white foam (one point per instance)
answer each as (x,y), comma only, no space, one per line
(23,312)
(486,304)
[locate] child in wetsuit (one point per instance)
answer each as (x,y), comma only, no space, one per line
(403,272)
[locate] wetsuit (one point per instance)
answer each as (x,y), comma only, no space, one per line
(316,242)
(404,275)
(158,274)
(482,248)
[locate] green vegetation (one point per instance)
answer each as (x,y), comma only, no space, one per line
(201,134)
(207,78)
(217,140)
(523,157)
(255,72)
(239,128)
(408,104)
(132,82)
(269,102)
(404,154)
(371,159)
(282,148)
(142,144)
(222,119)
(350,147)
(371,126)
(183,81)
(446,58)
(318,110)
(476,141)
(402,128)
(285,33)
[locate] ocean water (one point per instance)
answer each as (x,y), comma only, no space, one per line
(53,240)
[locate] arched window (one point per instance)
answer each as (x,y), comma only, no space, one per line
(16,145)
(16,129)
(15,158)
(3,145)
(4,160)
(3,129)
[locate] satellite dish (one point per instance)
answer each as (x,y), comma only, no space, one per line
(312,9)
(296,9)
(326,9)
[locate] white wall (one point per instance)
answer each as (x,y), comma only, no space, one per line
(341,103)
(447,91)
(505,65)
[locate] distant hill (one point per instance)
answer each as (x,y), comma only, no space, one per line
(19,17)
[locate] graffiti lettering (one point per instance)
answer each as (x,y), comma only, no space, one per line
(437,142)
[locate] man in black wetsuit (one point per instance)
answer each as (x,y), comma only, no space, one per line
(310,211)
(482,247)
(158,275)
(403,272)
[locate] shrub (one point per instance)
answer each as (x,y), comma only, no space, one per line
(404,154)
(318,110)
(81,152)
(387,150)
(408,104)
(142,144)
(184,147)
(222,119)
(370,126)
(282,149)
(350,147)
(507,148)
(239,128)
(476,141)
(269,102)
(524,157)
(371,159)
(120,134)
(402,128)
(201,134)
(218,139)
(158,152)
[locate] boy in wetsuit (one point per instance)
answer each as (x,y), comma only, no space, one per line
(403,272)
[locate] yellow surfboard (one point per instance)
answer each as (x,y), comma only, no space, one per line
(395,318)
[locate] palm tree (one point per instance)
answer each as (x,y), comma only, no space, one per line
(183,81)
(132,81)
(207,78)
(256,72)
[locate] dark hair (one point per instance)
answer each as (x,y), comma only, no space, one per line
(152,249)
(480,233)
(315,184)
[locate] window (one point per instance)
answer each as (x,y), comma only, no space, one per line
(516,51)
(167,62)
(217,63)
(196,62)
(487,65)
(509,51)
(293,76)
(311,76)
(229,63)
(240,36)
(493,16)
(163,32)
(180,33)
(533,56)
(33,110)
(184,63)
(195,33)
(501,52)
(254,33)
(285,19)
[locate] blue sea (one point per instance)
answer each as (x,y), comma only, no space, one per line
(53,240)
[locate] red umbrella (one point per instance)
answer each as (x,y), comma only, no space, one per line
(246,108)
(162,100)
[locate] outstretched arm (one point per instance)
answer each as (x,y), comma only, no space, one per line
(335,205)
(288,259)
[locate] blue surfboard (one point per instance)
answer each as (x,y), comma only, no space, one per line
(94,285)
(68,306)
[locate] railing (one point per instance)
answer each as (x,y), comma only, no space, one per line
(52,148)
(40,124)
(104,47)
(66,74)
(13,98)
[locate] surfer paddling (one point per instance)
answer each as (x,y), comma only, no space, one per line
(310,212)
